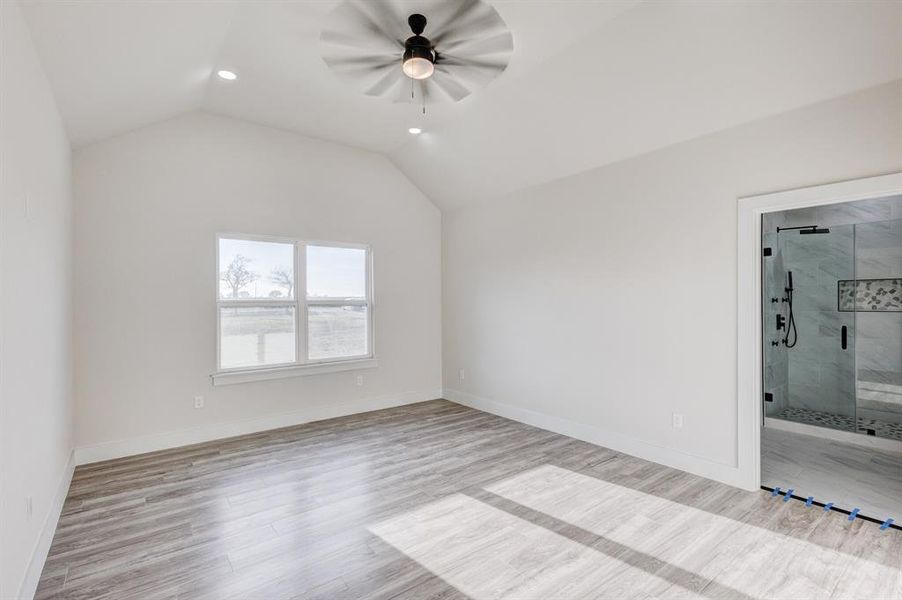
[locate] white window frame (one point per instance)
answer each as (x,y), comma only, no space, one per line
(302,365)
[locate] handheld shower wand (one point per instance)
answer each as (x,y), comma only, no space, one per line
(791,329)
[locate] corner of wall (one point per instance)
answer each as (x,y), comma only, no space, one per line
(48,528)
(703,467)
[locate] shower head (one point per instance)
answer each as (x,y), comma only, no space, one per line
(805,229)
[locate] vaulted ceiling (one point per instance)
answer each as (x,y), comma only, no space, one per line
(589,82)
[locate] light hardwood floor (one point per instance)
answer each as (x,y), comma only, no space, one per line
(848,475)
(439,501)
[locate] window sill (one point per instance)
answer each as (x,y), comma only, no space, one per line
(249,375)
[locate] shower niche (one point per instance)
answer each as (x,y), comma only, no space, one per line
(832,316)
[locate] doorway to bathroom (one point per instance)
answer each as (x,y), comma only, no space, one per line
(831,340)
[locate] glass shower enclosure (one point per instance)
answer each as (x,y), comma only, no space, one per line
(832,326)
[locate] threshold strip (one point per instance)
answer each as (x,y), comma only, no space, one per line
(887,524)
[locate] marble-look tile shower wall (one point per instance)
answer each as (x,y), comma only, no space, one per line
(819,374)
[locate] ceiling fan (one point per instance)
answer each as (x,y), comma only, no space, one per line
(456,46)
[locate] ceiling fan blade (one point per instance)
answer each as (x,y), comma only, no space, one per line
(446,82)
(405,92)
(358,62)
(463,11)
(502,42)
(495,66)
(426,91)
(480,22)
(378,17)
(385,83)
(368,43)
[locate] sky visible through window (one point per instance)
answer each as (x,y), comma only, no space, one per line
(336,272)
(254,269)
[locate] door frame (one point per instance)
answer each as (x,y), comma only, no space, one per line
(750,342)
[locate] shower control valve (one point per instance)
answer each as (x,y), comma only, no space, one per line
(781,322)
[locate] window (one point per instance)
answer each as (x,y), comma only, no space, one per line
(286,303)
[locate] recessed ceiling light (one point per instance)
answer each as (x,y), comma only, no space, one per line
(227,75)
(415,130)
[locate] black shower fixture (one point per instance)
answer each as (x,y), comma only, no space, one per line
(806,229)
(788,323)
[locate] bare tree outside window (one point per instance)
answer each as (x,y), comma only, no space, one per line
(237,275)
(284,278)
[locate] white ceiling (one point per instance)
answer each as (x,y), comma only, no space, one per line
(117,65)
(590,82)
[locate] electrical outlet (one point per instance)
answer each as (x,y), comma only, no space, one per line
(462,374)
(198,402)
(677,421)
(360,380)
(29,507)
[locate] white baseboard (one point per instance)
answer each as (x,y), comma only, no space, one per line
(29,583)
(206,433)
(690,463)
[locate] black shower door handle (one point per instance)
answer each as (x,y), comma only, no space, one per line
(845,337)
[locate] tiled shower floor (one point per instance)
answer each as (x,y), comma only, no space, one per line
(823,419)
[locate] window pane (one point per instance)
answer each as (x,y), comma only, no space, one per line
(251,269)
(336,272)
(336,331)
(255,336)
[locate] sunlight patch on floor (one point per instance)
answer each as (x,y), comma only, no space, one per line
(551,532)
(487,553)
(743,556)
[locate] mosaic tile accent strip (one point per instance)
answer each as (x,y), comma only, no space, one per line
(869,295)
(822,419)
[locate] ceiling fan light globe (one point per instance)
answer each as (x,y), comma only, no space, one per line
(418,68)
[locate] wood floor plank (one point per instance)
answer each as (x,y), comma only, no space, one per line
(438,501)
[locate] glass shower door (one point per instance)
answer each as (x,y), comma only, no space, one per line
(809,337)
(877,299)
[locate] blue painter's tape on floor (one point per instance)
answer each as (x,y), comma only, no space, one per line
(776,492)
(809,501)
(828,506)
(788,495)
(886,524)
(853,514)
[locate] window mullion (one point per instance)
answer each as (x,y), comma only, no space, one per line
(300,278)
(230,303)
(337,302)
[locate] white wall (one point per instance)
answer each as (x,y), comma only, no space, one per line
(35,309)
(148,206)
(600,304)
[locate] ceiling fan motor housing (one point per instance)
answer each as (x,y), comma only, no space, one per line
(418,47)
(418,53)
